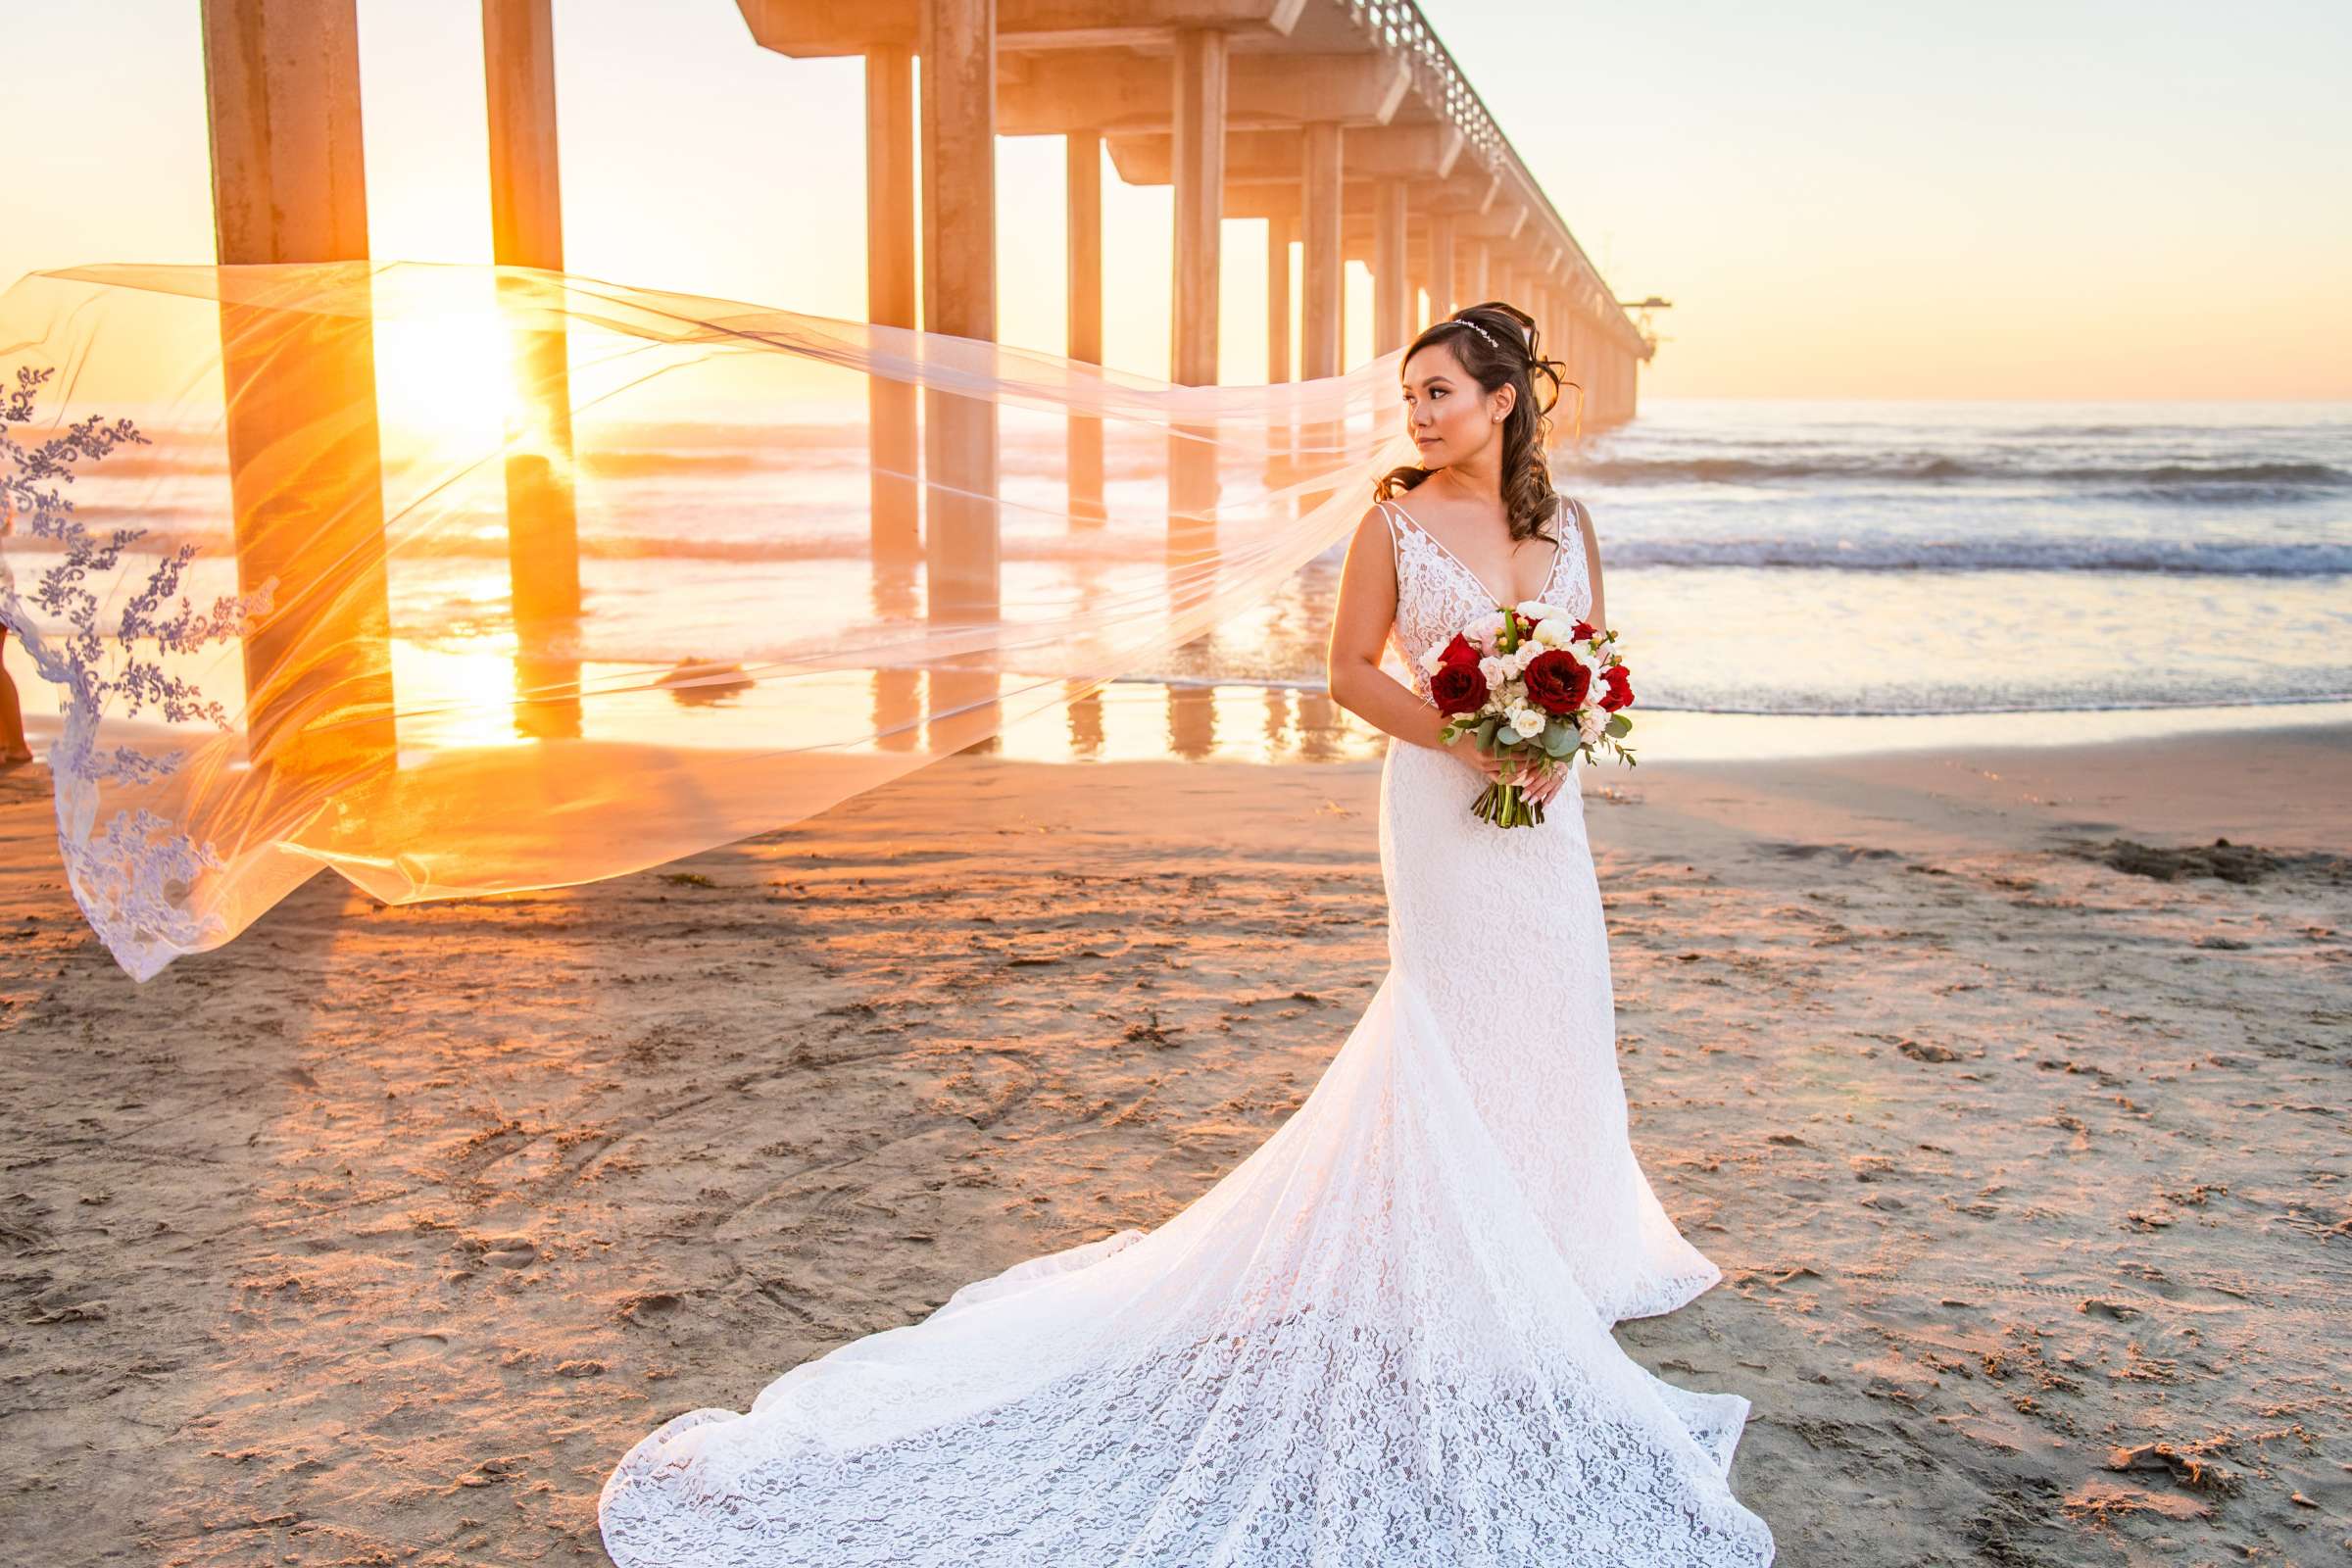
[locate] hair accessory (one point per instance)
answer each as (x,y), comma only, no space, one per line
(1480,330)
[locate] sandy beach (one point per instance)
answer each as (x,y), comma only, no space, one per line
(2010,1100)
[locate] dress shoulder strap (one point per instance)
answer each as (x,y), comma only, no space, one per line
(1387,516)
(1576,511)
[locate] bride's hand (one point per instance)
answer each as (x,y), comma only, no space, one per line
(1539,781)
(1488,767)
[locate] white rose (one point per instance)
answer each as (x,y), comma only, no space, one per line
(1538,609)
(1428,661)
(1588,728)
(1493,669)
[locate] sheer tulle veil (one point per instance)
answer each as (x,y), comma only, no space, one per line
(464,579)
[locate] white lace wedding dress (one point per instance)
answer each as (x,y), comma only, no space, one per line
(1381,1339)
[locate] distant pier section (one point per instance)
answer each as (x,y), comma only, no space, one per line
(1344,124)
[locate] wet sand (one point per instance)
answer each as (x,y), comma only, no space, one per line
(2011,1104)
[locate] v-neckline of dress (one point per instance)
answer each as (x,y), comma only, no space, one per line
(1559,547)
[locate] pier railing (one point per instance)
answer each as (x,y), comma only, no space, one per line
(1399,28)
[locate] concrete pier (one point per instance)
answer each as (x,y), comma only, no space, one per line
(1344,128)
(289,184)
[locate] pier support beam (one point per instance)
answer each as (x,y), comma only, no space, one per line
(527,228)
(1083,184)
(1586,362)
(894,435)
(519,66)
(1198,145)
(1442,300)
(894,426)
(1574,348)
(957,42)
(1391,299)
(1278,343)
(1278,300)
(1320,284)
(289,184)
(1198,148)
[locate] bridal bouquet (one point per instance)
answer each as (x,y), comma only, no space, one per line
(1527,684)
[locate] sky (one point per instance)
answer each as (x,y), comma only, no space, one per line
(2009,199)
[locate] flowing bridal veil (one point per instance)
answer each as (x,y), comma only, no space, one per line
(464,579)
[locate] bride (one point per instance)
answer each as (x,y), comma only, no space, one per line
(1384,1337)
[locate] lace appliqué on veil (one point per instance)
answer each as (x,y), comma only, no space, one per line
(132,875)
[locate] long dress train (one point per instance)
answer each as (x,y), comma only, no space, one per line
(1381,1339)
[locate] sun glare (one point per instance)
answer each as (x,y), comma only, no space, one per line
(451,376)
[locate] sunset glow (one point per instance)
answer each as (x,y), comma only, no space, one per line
(1999,202)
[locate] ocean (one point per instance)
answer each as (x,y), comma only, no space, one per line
(1787,576)
(1820,570)
(1880,559)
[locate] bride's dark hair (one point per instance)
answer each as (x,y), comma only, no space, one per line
(1499,346)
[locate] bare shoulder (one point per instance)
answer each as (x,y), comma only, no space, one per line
(1368,574)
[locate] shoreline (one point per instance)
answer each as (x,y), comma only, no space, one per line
(1145,719)
(383,1231)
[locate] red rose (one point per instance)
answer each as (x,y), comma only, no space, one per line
(1458,689)
(1458,651)
(1584,632)
(1557,680)
(1620,682)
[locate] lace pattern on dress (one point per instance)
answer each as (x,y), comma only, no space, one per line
(1437,595)
(1381,1341)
